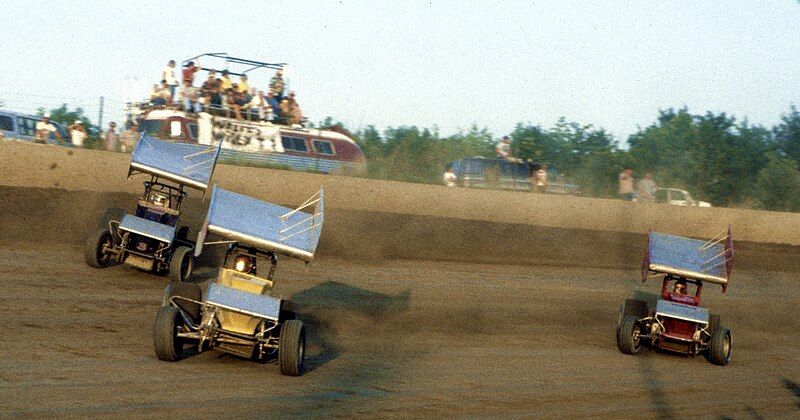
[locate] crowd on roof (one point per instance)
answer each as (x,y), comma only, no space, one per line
(221,95)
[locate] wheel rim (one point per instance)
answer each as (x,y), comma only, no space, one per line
(635,336)
(301,351)
(726,346)
(187,267)
(104,257)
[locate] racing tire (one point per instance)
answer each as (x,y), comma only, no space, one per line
(188,291)
(292,348)
(167,344)
(628,340)
(720,349)
(93,248)
(111,213)
(713,323)
(181,264)
(635,307)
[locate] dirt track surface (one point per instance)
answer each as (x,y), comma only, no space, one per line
(464,332)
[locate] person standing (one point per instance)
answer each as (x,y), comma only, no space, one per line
(111,138)
(168,75)
(77,133)
(503,149)
(276,85)
(44,129)
(646,188)
(128,138)
(541,179)
(626,184)
(189,71)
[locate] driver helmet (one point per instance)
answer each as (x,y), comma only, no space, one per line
(160,199)
(680,287)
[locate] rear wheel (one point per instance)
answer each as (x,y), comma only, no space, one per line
(721,345)
(166,342)
(185,290)
(292,348)
(93,249)
(713,323)
(628,340)
(181,264)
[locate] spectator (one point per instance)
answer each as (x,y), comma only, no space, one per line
(236,100)
(225,83)
(111,138)
(450,178)
(257,104)
(646,189)
(243,86)
(295,114)
(274,106)
(155,95)
(503,149)
(210,90)
(626,184)
(168,74)
(44,129)
(128,138)
(541,179)
(284,112)
(189,97)
(189,71)
(77,133)
(276,85)
(161,96)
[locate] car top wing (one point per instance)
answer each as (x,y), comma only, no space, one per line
(187,164)
(710,260)
(265,226)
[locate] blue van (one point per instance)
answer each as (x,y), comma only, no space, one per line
(23,126)
(497,173)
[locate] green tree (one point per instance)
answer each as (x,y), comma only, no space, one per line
(778,184)
(787,134)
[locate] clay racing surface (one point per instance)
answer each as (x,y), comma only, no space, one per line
(481,319)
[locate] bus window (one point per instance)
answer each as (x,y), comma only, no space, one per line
(175,129)
(193,131)
(151,127)
(26,126)
(295,144)
(323,147)
(6,123)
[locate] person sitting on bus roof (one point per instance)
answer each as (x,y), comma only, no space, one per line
(210,90)
(276,84)
(274,106)
(189,97)
(161,95)
(243,86)
(236,100)
(257,104)
(225,83)
(284,110)
(295,114)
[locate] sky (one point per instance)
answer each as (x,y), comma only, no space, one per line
(444,64)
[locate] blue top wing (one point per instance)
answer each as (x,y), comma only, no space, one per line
(265,226)
(691,258)
(187,164)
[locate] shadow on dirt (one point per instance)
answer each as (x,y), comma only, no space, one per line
(317,305)
(655,388)
(793,387)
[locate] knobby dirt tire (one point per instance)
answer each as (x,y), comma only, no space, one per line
(167,345)
(291,348)
(628,339)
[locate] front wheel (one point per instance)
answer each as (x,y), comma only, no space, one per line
(628,338)
(94,253)
(292,348)
(719,351)
(182,264)
(166,342)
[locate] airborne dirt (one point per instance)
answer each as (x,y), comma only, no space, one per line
(486,319)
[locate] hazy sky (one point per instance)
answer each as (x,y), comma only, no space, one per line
(443,63)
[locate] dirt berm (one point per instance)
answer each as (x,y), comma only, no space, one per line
(384,219)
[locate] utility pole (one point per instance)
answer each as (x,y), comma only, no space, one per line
(100,117)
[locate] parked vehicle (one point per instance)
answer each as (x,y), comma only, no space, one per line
(497,173)
(14,125)
(239,313)
(150,238)
(677,197)
(678,323)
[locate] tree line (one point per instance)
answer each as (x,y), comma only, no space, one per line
(714,156)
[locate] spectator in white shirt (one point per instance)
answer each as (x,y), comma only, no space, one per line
(44,129)
(77,133)
(169,75)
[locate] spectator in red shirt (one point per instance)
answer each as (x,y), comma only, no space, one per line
(189,71)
